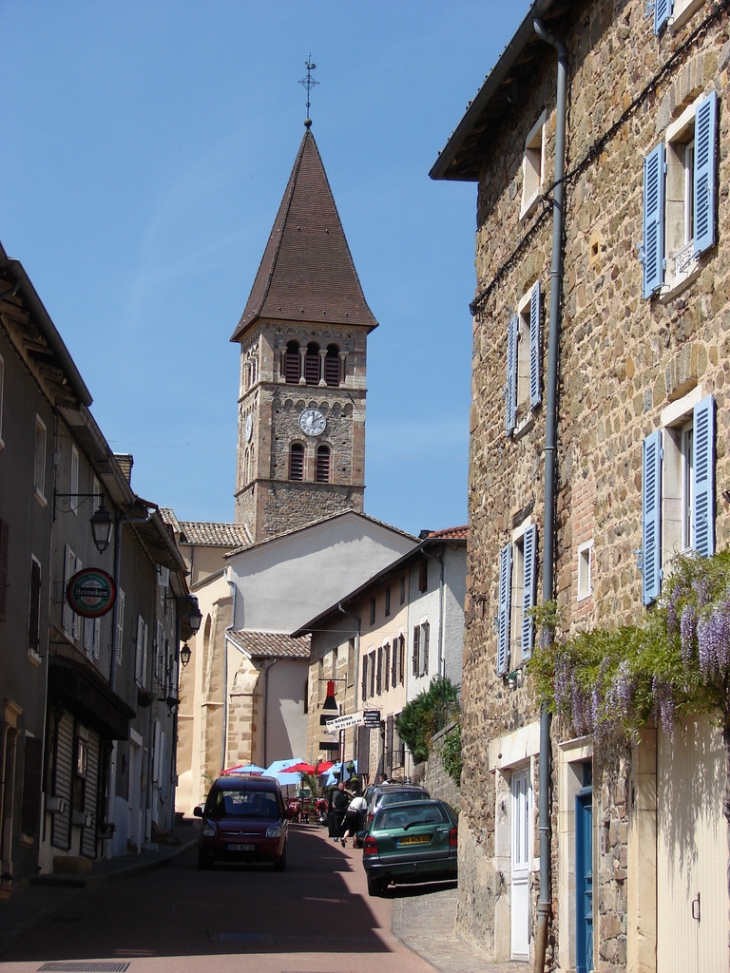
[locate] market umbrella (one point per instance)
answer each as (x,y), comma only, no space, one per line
(244,769)
(300,768)
(279,769)
(324,766)
(333,774)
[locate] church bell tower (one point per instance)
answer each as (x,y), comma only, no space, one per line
(303,337)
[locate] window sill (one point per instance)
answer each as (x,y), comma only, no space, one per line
(524,425)
(34,657)
(676,23)
(40,498)
(675,285)
(530,205)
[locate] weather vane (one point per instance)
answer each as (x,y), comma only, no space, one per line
(309,83)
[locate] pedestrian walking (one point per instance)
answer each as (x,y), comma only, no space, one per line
(338,809)
(353,818)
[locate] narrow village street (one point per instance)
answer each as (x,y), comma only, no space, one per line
(315,917)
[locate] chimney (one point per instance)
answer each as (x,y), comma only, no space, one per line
(126,462)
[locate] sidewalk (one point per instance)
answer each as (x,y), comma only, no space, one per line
(425,924)
(46,893)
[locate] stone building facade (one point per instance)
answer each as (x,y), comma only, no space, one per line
(303,337)
(638,307)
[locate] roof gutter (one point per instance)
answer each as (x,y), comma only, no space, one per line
(494,79)
(544,906)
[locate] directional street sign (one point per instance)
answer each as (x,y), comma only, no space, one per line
(344,722)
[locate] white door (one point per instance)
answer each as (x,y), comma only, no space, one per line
(521,844)
(692,895)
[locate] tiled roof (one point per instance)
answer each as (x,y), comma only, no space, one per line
(229,536)
(275,645)
(449,533)
(307,272)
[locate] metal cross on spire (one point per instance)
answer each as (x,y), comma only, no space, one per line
(309,83)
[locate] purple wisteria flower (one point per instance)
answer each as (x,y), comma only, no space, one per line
(687,632)
(664,703)
(713,642)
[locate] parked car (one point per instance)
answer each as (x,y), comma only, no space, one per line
(244,820)
(383,794)
(411,842)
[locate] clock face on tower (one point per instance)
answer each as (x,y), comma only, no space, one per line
(312,422)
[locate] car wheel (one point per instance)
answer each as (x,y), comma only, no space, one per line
(204,861)
(280,863)
(377,886)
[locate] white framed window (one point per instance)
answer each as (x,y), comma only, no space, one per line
(71,621)
(533,166)
(674,13)
(39,466)
(523,391)
(678,489)
(680,199)
(74,498)
(585,570)
(517,576)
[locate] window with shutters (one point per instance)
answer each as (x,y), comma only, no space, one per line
(387,602)
(395,661)
(678,488)
(31,802)
(523,361)
(674,13)
(39,466)
(292,363)
(516,596)
(140,668)
(332,368)
(379,674)
(34,606)
(74,491)
(364,685)
(421,640)
(119,626)
(296,461)
(403,589)
(323,464)
(371,670)
(71,621)
(386,666)
(312,364)
(533,167)
(680,200)
(372,611)
(4,562)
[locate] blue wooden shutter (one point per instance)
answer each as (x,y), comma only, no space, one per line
(528,590)
(653,249)
(651,517)
(662,12)
(703,476)
(505,591)
(704,174)
(511,413)
(535,345)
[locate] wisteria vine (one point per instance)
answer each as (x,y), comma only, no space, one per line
(610,682)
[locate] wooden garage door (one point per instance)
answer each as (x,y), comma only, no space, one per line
(692,895)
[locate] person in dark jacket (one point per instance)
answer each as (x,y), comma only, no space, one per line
(338,811)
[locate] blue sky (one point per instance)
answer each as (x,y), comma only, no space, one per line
(145,150)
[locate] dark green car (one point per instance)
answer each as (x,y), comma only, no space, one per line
(410,842)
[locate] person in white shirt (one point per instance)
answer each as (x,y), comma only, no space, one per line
(353,818)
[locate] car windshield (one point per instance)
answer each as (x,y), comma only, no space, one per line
(242,804)
(406,816)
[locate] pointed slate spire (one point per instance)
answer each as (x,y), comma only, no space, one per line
(307,272)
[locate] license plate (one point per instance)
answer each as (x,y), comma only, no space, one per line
(241,847)
(416,839)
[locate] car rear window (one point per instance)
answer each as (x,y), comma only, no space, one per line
(410,815)
(395,797)
(242,804)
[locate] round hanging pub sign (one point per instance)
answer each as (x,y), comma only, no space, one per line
(91,592)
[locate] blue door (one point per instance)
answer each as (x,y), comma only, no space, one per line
(584,880)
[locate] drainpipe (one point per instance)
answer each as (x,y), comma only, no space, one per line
(266,710)
(229,628)
(356,619)
(551,422)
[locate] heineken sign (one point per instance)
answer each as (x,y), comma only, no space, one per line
(91,592)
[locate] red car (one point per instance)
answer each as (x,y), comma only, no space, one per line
(244,820)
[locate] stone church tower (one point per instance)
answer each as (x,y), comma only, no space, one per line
(303,337)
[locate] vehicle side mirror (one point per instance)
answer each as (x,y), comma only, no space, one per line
(197,812)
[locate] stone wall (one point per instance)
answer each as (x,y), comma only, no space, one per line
(436,781)
(623,360)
